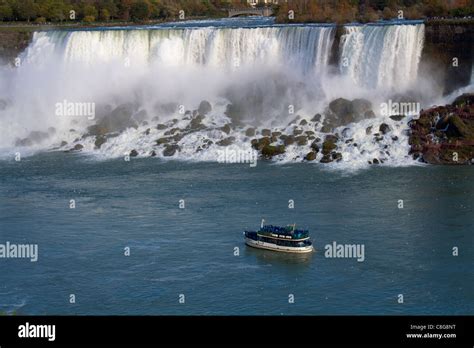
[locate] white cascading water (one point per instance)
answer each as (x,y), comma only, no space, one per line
(281,65)
(386,56)
(305,48)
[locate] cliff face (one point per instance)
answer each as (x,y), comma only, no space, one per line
(443,43)
(12,43)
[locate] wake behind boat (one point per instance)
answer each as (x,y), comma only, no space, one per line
(285,239)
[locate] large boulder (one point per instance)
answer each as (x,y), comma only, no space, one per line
(341,112)
(269,151)
(170,150)
(311,156)
(204,107)
(250,132)
(117,121)
(259,144)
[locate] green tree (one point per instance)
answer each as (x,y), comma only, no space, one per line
(110,6)
(89,10)
(89,19)
(26,10)
(104,14)
(140,10)
(6,12)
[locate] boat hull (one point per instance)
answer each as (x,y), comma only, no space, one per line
(270,246)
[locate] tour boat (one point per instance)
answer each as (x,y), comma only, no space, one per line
(286,239)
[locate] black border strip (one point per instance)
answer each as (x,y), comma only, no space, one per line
(287,330)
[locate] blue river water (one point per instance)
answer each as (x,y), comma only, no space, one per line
(198,251)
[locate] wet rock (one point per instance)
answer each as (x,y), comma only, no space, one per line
(346,132)
(397,117)
(394,138)
(276,134)
(341,112)
(172,131)
(161,141)
(384,128)
(161,126)
(328,147)
(303,122)
(259,144)
(378,137)
(368,130)
(266,132)
(177,137)
(63,143)
(337,156)
(361,106)
(289,140)
(236,113)
(463,100)
(269,151)
(99,141)
(226,129)
(250,132)
(331,138)
(326,129)
(226,142)
(316,118)
(309,133)
(301,140)
(311,156)
(315,146)
(375,161)
(153,153)
(196,123)
(326,159)
(297,131)
(133,153)
(170,150)
(117,121)
(147,132)
(204,107)
(77,147)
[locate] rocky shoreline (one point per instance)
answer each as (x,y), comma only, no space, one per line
(445,134)
(441,135)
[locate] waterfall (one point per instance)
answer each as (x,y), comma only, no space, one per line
(304,48)
(387,56)
(251,76)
